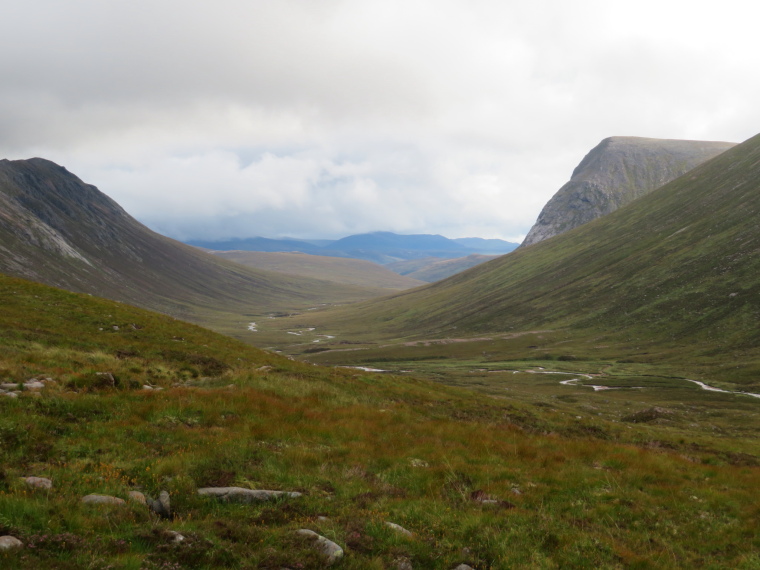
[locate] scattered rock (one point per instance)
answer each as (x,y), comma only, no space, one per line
(175,536)
(33,385)
(9,386)
(138,497)
(463,567)
(414,462)
(162,506)
(398,528)
(102,500)
(241,495)
(108,377)
(10,394)
(403,564)
(328,548)
(8,542)
(263,369)
(38,482)
(483,498)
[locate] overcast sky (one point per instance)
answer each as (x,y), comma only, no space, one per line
(323,118)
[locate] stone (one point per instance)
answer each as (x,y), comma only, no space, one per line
(38,482)
(403,564)
(614,173)
(463,567)
(162,506)
(9,386)
(102,500)
(175,536)
(398,528)
(330,550)
(10,394)
(8,542)
(33,385)
(137,497)
(241,495)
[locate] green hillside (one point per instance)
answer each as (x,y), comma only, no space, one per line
(434,269)
(57,230)
(677,268)
(475,479)
(337,269)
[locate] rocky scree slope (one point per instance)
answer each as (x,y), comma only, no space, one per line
(617,171)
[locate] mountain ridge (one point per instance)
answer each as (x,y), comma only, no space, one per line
(615,172)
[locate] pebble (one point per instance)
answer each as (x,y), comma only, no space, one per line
(398,528)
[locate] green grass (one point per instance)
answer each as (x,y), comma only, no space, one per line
(363,448)
(672,278)
(336,269)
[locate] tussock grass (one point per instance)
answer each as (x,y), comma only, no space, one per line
(364,449)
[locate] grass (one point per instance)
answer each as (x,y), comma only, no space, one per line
(337,269)
(364,449)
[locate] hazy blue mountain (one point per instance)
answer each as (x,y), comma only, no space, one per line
(380,247)
(486,246)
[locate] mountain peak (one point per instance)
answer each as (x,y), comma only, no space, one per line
(617,171)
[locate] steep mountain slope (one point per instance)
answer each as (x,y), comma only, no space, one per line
(58,230)
(433,269)
(340,270)
(615,172)
(680,265)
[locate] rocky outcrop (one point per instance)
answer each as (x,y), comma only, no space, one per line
(614,173)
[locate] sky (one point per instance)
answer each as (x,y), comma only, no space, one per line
(324,118)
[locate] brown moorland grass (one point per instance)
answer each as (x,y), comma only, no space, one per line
(365,449)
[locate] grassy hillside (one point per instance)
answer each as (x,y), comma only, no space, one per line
(58,230)
(434,269)
(476,479)
(677,269)
(340,270)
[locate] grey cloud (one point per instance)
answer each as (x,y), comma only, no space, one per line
(451,116)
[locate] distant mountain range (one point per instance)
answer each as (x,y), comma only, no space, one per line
(615,172)
(380,247)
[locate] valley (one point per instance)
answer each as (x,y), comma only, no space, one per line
(587,401)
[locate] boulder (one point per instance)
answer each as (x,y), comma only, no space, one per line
(241,495)
(162,506)
(102,500)
(10,394)
(8,542)
(330,550)
(38,482)
(137,497)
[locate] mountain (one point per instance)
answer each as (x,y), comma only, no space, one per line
(57,230)
(677,267)
(615,172)
(340,270)
(431,269)
(258,244)
(487,246)
(378,247)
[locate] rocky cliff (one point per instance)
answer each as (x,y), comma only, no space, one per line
(614,173)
